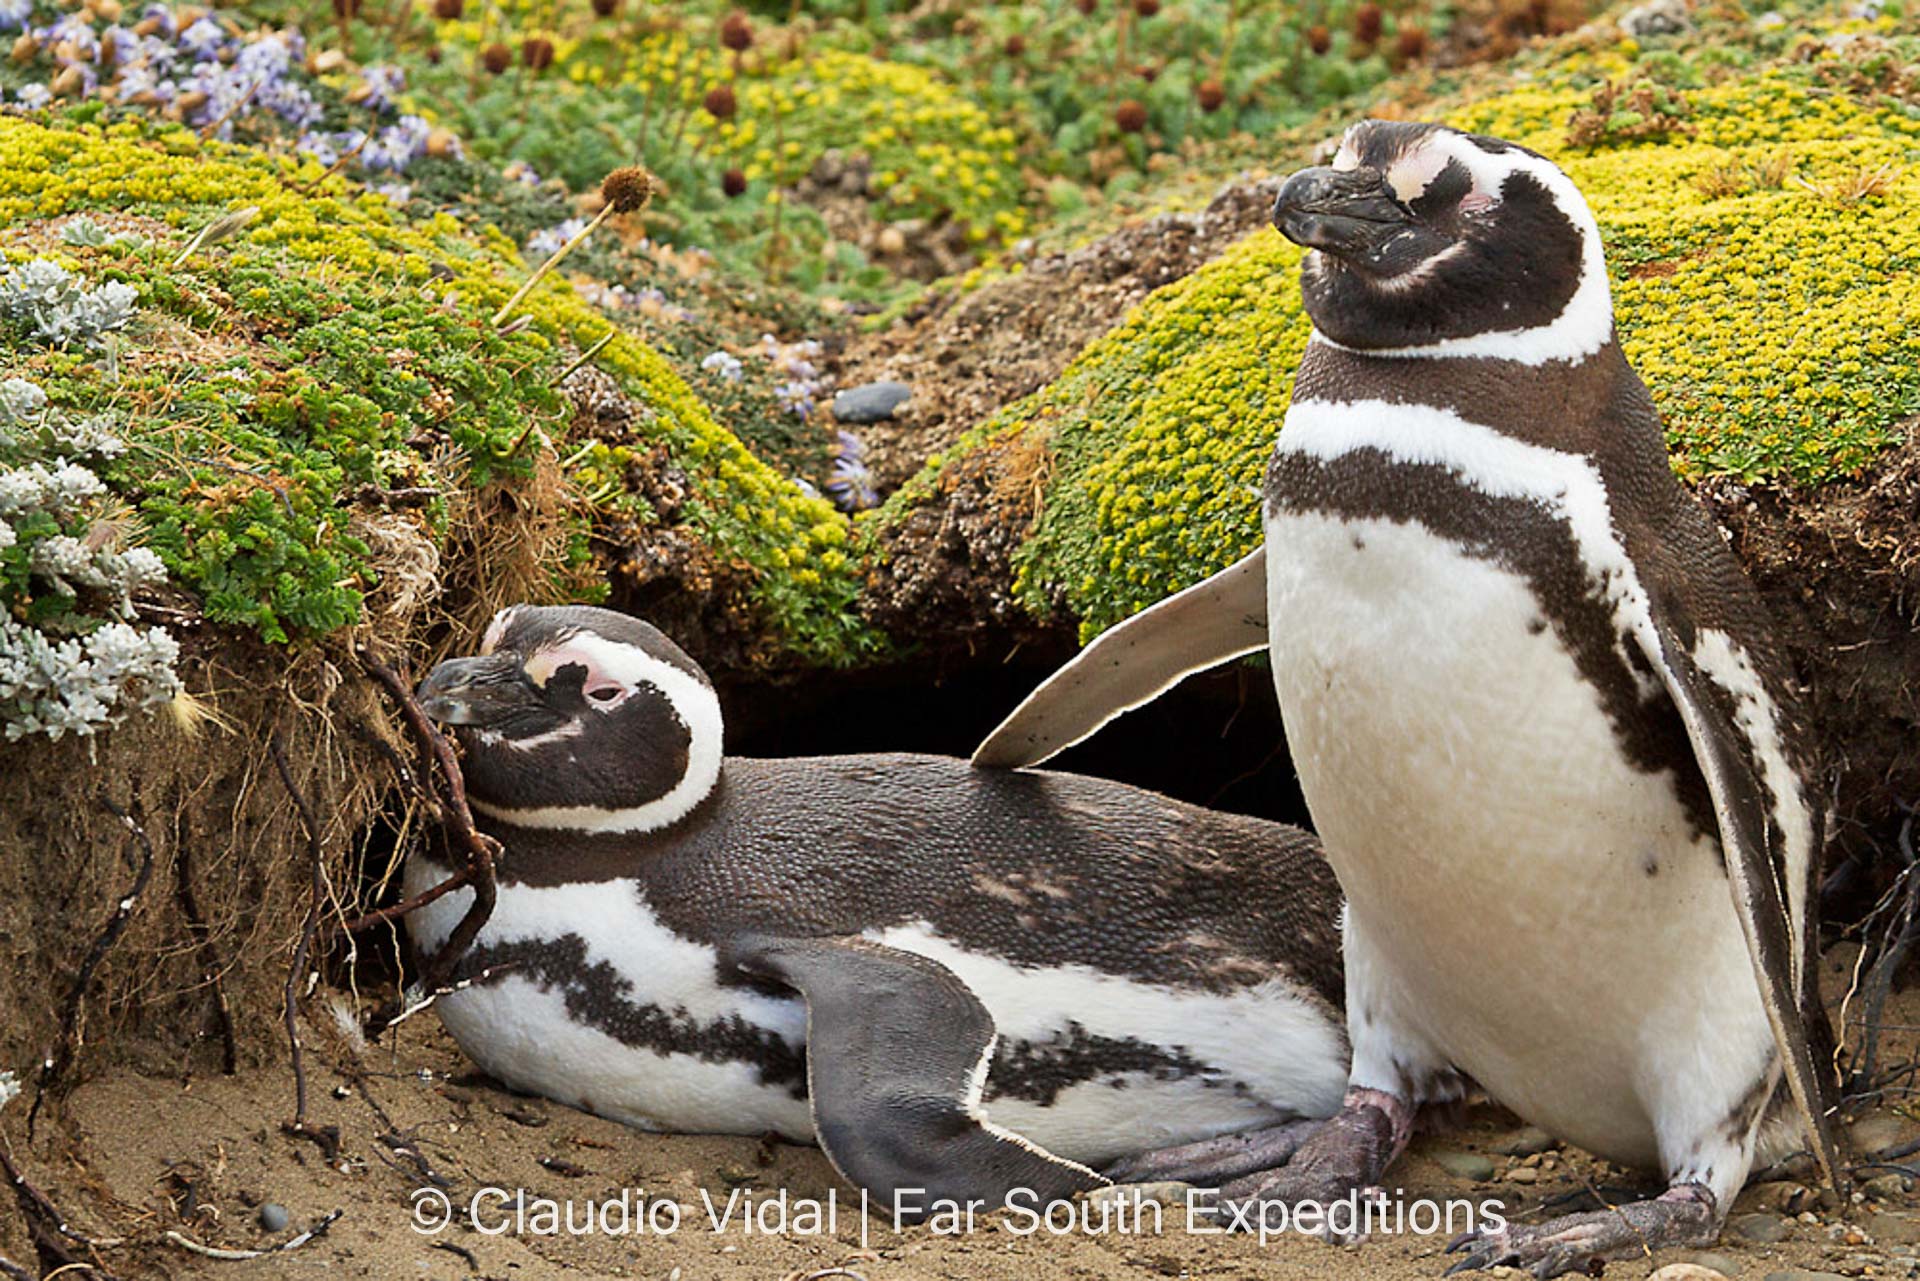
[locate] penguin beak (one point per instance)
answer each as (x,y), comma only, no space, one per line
(1346,212)
(477,691)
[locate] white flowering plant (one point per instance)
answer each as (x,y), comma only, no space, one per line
(71,660)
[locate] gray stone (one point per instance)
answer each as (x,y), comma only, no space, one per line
(1687,1272)
(1760,1229)
(274,1218)
(1802,1274)
(1527,1142)
(1467,1165)
(1887,1187)
(1893,1229)
(871,402)
(1710,1261)
(1875,1133)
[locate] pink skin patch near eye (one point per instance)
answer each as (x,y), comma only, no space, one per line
(601,689)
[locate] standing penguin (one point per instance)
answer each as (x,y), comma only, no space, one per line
(867,951)
(1541,720)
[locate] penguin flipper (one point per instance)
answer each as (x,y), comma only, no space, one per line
(1132,664)
(1727,758)
(897,1055)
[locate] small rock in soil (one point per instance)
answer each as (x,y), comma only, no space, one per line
(1525,1174)
(1887,1187)
(1874,1134)
(871,402)
(1468,1165)
(273,1218)
(1801,1274)
(1893,1229)
(1526,1142)
(1710,1261)
(1687,1272)
(1761,1229)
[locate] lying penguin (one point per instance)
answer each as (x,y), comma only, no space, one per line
(1543,724)
(868,951)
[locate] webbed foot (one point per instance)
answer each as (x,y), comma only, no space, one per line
(1211,1162)
(1349,1152)
(1683,1215)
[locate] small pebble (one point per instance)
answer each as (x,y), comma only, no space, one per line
(1467,1165)
(1525,1174)
(1687,1272)
(1887,1186)
(1711,1262)
(1893,1229)
(871,402)
(1526,1142)
(1876,1132)
(1761,1229)
(1801,1274)
(273,1217)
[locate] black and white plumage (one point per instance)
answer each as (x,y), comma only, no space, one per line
(880,952)
(1540,717)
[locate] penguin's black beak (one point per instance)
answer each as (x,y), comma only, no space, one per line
(477,691)
(1346,212)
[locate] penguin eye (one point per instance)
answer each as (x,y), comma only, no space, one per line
(607,695)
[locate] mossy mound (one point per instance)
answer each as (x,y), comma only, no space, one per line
(326,381)
(1768,302)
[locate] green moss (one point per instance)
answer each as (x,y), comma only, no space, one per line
(338,348)
(1769,304)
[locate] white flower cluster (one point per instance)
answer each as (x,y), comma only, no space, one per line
(57,308)
(84,233)
(48,523)
(78,685)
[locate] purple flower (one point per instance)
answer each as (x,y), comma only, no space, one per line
(382,85)
(544,244)
(164,16)
(849,483)
(204,40)
(14,14)
(319,146)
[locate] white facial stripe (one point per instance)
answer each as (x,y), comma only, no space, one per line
(1414,172)
(1584,325)
(693,701)
(496,630)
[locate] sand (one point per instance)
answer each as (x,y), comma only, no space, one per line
(139,1156)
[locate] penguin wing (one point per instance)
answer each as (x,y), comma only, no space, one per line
(1725,746)
(1127,666)
(897,1055)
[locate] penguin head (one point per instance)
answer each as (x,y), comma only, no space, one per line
(580,719)
(1424,236)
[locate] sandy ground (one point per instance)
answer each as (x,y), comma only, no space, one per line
(139,1157)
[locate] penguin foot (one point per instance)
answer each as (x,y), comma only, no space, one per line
(1685,1214)
(1212,1162)
(1346,1155)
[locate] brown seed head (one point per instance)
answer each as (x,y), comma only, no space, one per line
(536,53)
(1410,45)
(496,58)
(1147,72)
(736,32)
(1366,23)
(1015,46)
(627,188)
(606,8)
(346,8)
(734,183)
(1131,116)
(449,10)
(1211,94)
(720,102)
(1086,7)
(1146,8)
(1319,39)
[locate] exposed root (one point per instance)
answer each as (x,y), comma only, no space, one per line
(477,850)
(55,1065)
(292,1243)
(304,948)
